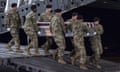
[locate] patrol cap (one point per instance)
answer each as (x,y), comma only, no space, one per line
(33,7)
(80,17)
(74,14)
(13,5)
(58,10)
(48,6)
(96,19)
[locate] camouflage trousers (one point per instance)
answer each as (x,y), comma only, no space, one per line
(97,49)
(15,38)
(48,43)
(60,41)
(79,50)
(33,39)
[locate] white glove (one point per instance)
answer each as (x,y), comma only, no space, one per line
(94,33)
(38,32)
(8,29)
(87,34)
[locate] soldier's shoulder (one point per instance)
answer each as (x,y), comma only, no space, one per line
(54,17)
(69,20)
(9,12)
(43,13)
(99,25)
(30,14)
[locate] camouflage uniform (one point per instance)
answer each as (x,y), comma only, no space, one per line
(58,32)
(78,29)
(31,28)
(13,22)
(96,44)
(71,39)
(46,18)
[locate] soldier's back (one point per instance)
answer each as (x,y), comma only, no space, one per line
(28,22)
(44,17)
(14,19)
(56,25)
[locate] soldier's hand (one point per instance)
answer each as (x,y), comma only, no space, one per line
(38,32)
(88,34)
(67,22)
(8,29)
(94,33)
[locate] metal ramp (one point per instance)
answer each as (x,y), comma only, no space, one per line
(29,63)
(45,64)
(5,54)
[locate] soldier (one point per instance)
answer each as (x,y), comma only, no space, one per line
(58,32)
(31,28)
(46,17)
(96,44)
(13,24)
(78,29)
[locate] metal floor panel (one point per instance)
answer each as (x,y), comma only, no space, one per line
(47,64)
(4,53)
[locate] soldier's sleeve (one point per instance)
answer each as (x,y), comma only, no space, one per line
(41,18)
(64,28)
(85,28)
(7,20)
(20,24)
(69,26)
(54,26)
(35,25)
(100,30)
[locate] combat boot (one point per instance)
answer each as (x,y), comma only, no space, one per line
(61,60)
(46,52)
(91,61)
(83,67)
(36,53)
(72,60)
(54,54)
(98,66)
(27,50)
(18,50)
(9,48)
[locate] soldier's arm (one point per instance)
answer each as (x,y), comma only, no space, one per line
(85,28)
(55,26)
(100,30)
(7,20)
(20,24)
(69,25)
(40,18)
(36,28)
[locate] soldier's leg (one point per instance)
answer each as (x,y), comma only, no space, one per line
(72,53)
(27,49)
(60,41)
(10,43)
(94,49)
(81,54)
(45,45)
(34,42)
(97,51)
(75,53)
(17,42)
